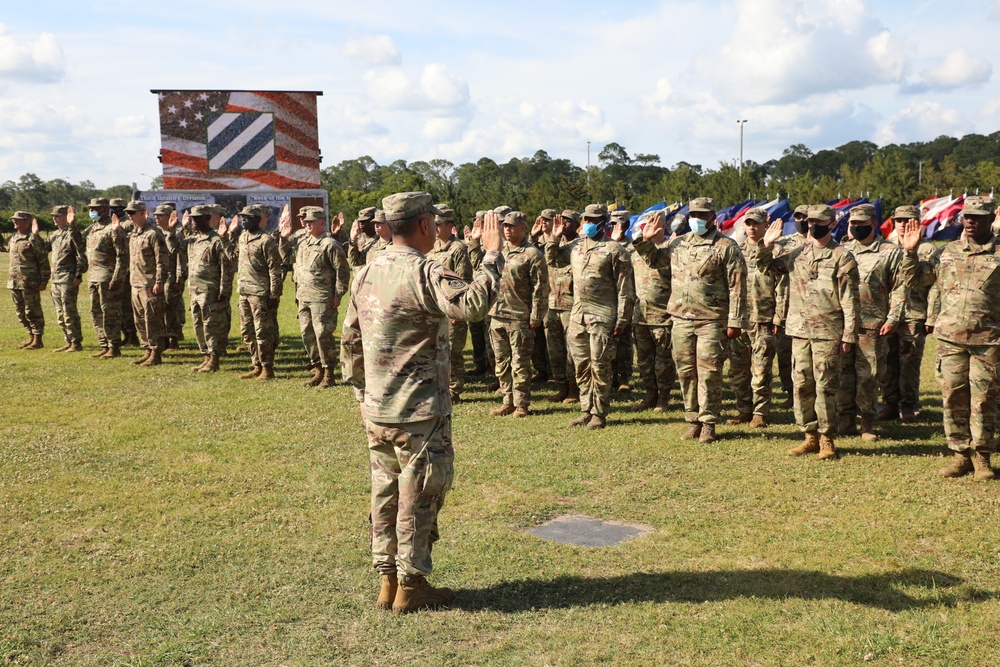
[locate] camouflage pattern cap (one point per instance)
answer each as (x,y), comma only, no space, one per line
(480,215)
(380,216)
(117,202)
(595,211)
(502,210)
(802,209)
(366,214)
(908,212)
(217,209)
(571,215)
(703,205)
(163,209)
(314,213)
(21,215)
(446,216)
(756,215)
(199,210)
(403,205)
(250,210)
(862,212)
(135,205)
(98,202)
(548,213)
(977,205)
(622,215)
(60,210)
(821,212)
(515,218)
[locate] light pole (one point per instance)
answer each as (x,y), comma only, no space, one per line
(741,123)
(588,166)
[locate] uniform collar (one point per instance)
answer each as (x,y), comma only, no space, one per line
(974,248)
(707,239)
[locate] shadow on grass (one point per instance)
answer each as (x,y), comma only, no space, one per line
(874,590)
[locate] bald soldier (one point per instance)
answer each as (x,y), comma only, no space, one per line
(29,273)
(454,256)
(69,263)
(403,301)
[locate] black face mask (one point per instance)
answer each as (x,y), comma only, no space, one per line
(861,231)
(801,226)
(368,228)
(818,231)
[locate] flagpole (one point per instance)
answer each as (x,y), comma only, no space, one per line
(741,123)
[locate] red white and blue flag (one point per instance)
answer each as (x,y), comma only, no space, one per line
(238,140)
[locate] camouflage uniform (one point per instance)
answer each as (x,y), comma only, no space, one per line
(603,300)
(107,257)
(967,277)
(708,294)
(69,263)
(29,271)
(403,301)
(454,256)
(148,266)
(173,296)
(358,249)
(129,333)
(652,329)
(783,342)
(259,285)
(824,310)
(557,319)
(477,330)
(522,302)
(622,367)
(322,276)
(882,296)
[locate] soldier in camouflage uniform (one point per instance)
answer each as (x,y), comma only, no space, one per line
(454,256)
(259,285)
(783,342)
(752,354)
(558,315)
(210,278)
(652,329)
(520,309)
(708,307)
(69,263)
(177,263)
(363,237)
(967,277)
(477,330)
(107,257)
(29,273)
(603,299)
(624,345)
(129,333)
(901,380)
(148,274)
(403,301)
(476,257)
(823,319)
(882,296)
(540,349)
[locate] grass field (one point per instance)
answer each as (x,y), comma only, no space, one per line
(161,517)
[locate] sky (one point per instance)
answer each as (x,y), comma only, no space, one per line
(462,80)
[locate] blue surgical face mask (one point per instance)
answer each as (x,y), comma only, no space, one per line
(698,226)
(590,229)
(95,216)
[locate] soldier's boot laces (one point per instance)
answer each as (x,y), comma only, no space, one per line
(36,342)
(827,448)
(502,411)
(252,373)
(100,353)
(75,347)
(416,593)
(981,463)
(597,422)
(707,435)
(961,465)
(141,360)
(848,425)
(520,413)
(387,592)
(662,403)
(267,372)
(758,421)
(562,394)
(64,348)
(582,420)
(868,430)
(197,368)
(647,402)
(155,358)
(809,446)
(574,394)
(744,418)
(694,431)
(211,365)
(316,378)
(328,379)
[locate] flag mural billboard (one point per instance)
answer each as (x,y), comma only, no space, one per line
(238,140)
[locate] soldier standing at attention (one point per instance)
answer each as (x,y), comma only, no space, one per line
(603,298)
(173,295)
(454,256)
(107,255)
(29,273)
(824,317)
(783,342)
(519,310)
(259,285)
(967,276)
(708,305)
(148,273)
(69,263)
(882,296)
(901,381)
(403,301)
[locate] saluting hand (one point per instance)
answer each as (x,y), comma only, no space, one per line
(655,224)
(558,227)
(773,233)
(490,232)
(336,223)
(34,227)
(477,229)
(536,229)
(172,220)
(912,233)
(70,216)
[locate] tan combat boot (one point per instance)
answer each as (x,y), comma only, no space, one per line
(662,403)
(100,353)
(647,403)
(196,369)
(113,352)
(573,396)
(64,348)
(563,393)
(827,448)
(597,422)
(520,413)
(27,343)
(582,420)
(141,360)
(868,430)
(847,425)
(707,435)
(267,372)
(758,421)
(960,466)
(387,592)
(36,342)
(252,373)
(809,446)
(694,431)
(316,378)
(502,411)
(75,347)
(981,463)
(155,358)
(741,419)
(328,379)
(415,593)
(211,365)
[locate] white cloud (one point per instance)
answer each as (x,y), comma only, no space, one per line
(396,89)
(132,126)
(358,120)
(41,61)
(371,49)
(923,121)
(959,69)
(444,129)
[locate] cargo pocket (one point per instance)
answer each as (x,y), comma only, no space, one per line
(438,474)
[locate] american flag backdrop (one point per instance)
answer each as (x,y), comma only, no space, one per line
(238,140)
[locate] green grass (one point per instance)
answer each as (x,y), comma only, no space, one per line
(155,517)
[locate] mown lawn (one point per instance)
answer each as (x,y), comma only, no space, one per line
(161,517)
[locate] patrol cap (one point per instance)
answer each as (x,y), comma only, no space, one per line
(446,216)
(314,213)
(117,202)
(802,209)
(135,205)
(60,210)
(21,215)
(548,213)
(908,212)
(702,204)
(572,215)
(366,214)
(515,218)
(756,215)
(380,216)
(977,205)
(595,211)
(623,216)
(502,210)
(200,210)
(250,210)
(821,212)
(216,209)
(404,205)
(98,202)
(862,212)
(163,209)
(480,214)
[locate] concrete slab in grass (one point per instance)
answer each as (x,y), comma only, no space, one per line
(587,532)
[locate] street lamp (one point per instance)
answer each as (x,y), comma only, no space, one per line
(741,123)
(588,165)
